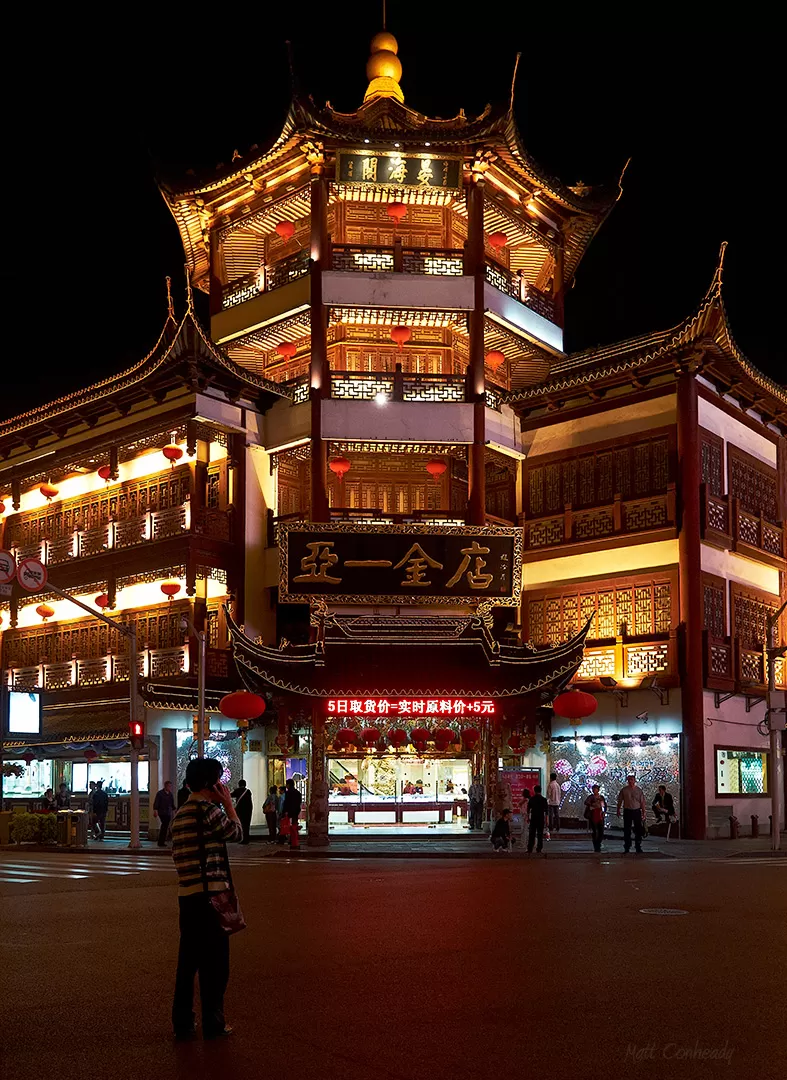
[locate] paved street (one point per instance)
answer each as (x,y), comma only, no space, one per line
(381,968)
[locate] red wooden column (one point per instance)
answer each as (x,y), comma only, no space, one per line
(318,785)
(691,608)
(476,508)
(318,368)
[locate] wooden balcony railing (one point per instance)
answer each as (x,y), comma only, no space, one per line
(517,286)
(630,659)
(145,528)
(377,516)
(97,671)
(266,279)
(598,522)
(725,524)
(730,668)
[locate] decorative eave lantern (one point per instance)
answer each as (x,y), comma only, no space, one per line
(242,706)
(172,452)
(2,507)
(45,611)
(396,211)
(345,738)
(49,491)
(443,738)
(370,736)
(170,589)
(401,335)
(90,755)
(495,359)
(574,705)
(28,757)
(436,468)
(105,472)
(420,737)
(470,737)
(498,240)
(285,230)
(287,349)
(339,466)
(398,738)
(102,600)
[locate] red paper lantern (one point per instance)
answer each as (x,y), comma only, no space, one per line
(27,757)
(339,466)
(102,600)
(49,491)
(172,453)
(287,349)
(170,588)
(397,211)
(285,229)
(401,335)
(242,705)
(345,737)
(420,737)
(370,735)
(398,738)
(90,755)
(498,240)
(470,737)
(2,507)
(436,469)
(105,472)
(443,737)
(574,705)
(495,359)
(45,611)
(515,741)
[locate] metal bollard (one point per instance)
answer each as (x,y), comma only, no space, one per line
(755,825)
(770,824)
(734,827)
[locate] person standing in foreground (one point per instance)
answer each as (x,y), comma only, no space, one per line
(269,809)
(632,799)
(553,803)
(164,810)
(292,809)
(536,813)
(243,808)
(200,831)
(595,809)
(475,815)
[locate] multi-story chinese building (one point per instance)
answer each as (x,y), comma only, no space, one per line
(429,509)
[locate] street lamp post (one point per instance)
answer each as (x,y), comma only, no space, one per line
(201,639)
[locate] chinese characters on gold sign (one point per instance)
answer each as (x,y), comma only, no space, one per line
(401,170)
(471,564)
(410,707)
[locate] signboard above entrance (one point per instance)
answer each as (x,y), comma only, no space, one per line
(400,564)
(389,168)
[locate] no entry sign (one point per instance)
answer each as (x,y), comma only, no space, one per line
(32,575)
(7,567)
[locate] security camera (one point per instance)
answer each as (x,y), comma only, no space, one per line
(643,716)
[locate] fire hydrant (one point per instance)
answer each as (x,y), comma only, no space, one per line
(734,827)
(755,825)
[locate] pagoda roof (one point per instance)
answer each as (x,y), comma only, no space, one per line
(184,355)
(405,656)
(704,338)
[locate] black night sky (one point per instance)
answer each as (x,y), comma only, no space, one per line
(103,112)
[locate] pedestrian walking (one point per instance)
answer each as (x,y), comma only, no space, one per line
(632,799)
(243,808)
(200,832)
(553,803)
(100,808)
(63,798)
(292,809)
(501,834)
(595,810)
(536,814)
(91,817)
(164,810)
(476,804)
(183,794)
(269,809)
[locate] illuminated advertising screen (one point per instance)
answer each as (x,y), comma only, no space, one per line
(23,713)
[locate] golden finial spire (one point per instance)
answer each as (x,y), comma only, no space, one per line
(170,305)
(384,69)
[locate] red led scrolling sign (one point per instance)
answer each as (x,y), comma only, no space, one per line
(411,707)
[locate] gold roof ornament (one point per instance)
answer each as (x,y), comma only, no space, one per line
(384,69)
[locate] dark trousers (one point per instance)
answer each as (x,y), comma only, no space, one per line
(554,818)
(503,842)
(163,831)
(270,817)
(597,832)
(204,951)
(536,833)
(476,814)
(632,818)
(100,826)
(246,826)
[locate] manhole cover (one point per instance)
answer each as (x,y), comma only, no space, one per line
(662,911)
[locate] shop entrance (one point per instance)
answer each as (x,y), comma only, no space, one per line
(386,793)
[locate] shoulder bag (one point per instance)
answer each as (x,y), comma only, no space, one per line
(224,903)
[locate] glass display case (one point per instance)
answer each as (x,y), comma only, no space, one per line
(391,789)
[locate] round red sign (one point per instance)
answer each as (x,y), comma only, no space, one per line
(7,567)
(31,575)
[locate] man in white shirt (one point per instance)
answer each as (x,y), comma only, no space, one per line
(632,799)
(553,803)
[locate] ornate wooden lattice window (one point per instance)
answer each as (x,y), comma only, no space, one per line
(714,597)
(395,485)
(639,467)
(626,607)
(749,610)
(116,503)
(753,483)
(712,461)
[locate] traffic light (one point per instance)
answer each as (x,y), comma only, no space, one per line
(137,729)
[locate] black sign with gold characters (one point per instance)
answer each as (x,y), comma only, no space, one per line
(388,168)
(399,564)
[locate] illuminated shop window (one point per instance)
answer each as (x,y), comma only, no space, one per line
(741,772)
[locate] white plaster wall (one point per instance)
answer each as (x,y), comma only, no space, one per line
(731,725)
(213,408)
(343,289)
(396,421)
(611,718)
(255,773)
(641,557)
(731,430)
(260,494)
(502,429)
(515,313)
(642,416)
(285,423)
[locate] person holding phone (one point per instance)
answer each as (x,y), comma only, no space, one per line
(201,829)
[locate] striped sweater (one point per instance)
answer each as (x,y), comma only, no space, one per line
(217,829)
